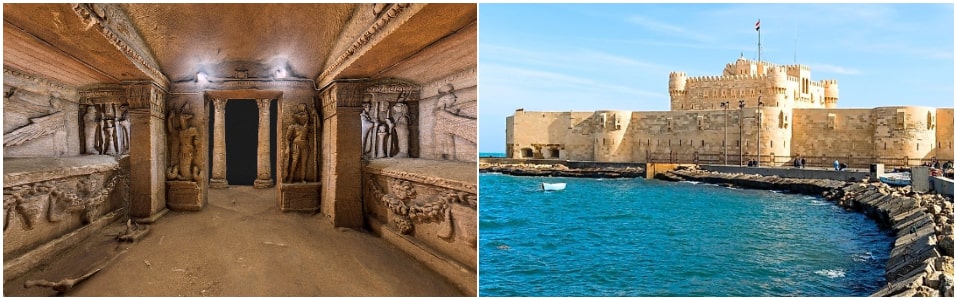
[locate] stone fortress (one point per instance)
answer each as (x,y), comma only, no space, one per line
(752,107)
(121,111)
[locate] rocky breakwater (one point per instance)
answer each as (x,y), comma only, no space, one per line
(922,259)
(559,170)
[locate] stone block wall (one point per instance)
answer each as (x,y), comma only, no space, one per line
(908,131)
(833,132)
(50,204)
(945,134)
(571,133)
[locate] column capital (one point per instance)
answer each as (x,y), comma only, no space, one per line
(219,103)
(263,105)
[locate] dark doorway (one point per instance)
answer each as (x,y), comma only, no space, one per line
(242,136)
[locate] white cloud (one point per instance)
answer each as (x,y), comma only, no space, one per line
(826,68)
(663,27)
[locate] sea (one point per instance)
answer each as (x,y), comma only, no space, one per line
(644,237)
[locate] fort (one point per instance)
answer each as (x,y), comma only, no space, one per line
(754,111)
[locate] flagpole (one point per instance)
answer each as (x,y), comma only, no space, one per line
(758,28)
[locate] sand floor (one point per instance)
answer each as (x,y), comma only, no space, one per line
(240,245)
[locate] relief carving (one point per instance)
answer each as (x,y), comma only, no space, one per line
(299,150)
(86,196)
(452,119)
(43,120)
(386,112)
(409,207)
(184,142)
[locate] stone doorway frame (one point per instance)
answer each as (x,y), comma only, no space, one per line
(218,99)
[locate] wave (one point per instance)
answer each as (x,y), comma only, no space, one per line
(863,257)
(831,273)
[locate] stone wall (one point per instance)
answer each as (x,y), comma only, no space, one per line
(40,116)
(945,134)
(50,204)
(428,209)
(822,133)
(908,131)
(833,132)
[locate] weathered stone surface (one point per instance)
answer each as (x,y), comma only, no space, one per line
(184,195)
(299,196)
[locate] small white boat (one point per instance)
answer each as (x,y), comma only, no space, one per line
(897,179)
(553,186)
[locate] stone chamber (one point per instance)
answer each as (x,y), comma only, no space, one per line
(353,128)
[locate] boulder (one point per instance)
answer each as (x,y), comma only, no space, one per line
(946,287)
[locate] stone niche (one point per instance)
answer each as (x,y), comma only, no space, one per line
(50,204)
(389,119)
(428,209)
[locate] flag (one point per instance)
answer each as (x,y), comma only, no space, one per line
(757,26)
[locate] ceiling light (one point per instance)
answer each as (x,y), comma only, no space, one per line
(202,78)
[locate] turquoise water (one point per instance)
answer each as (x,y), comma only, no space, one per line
(637,237)
(491,154)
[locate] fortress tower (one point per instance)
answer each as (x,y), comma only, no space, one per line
(787,86)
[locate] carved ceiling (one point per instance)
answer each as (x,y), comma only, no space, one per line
(233,40)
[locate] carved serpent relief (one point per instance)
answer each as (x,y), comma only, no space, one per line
(25,202)
(409,207)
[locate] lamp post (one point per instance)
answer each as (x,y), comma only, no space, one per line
(759,118)
(741,133)
(725,105)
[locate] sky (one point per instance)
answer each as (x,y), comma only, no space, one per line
(587,57)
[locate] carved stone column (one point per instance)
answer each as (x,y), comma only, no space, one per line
(341,150)
(218,180)
(264,177)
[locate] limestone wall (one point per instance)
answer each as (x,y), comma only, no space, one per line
(945,134)
(40,116)
(908,131)
(612,127)
(684,133)
(50,204)
(834,133)
(538,133)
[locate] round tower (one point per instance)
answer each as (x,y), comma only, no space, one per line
(610,144)
(777,86)
(677,83)
(830,93)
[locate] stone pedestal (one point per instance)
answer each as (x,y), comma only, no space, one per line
(299,196)
(263,183)
(184,195)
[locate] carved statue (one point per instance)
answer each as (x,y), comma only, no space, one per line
(400,112)
(90,129)
(367,126)
(123,129)
(184,167)
(297,134)
(450,122)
